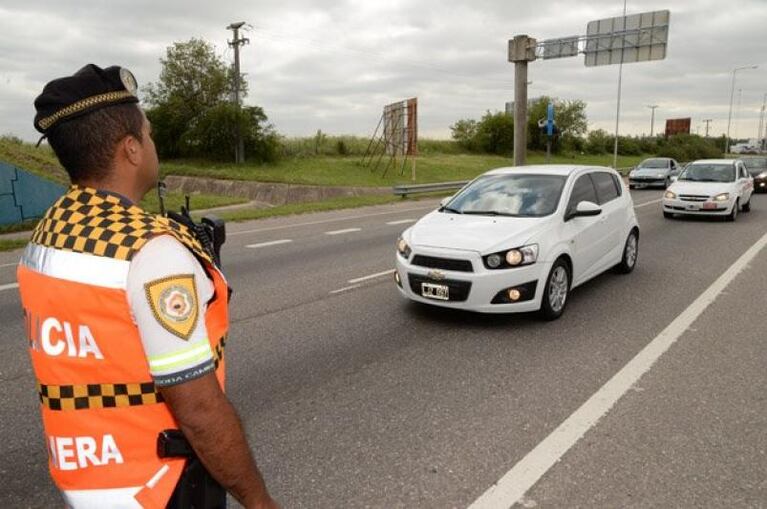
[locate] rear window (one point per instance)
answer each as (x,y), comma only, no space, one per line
(606,189)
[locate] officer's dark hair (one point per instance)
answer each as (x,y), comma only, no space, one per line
(86,145)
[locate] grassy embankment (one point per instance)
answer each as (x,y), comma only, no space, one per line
(42,162)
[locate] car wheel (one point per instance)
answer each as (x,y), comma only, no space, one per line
(734,214)
(632,186)
(668,215)
(667,183)
(630,253)
(556,291)
(747,206)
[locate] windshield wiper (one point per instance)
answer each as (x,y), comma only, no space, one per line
(710,180)
(452,211)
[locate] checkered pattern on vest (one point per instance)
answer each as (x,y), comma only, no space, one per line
(85,220)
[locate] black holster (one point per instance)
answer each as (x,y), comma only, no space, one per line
(196,489)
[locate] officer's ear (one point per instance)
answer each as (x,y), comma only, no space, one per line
(131,149)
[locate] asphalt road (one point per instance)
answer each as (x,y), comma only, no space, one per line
(353,397)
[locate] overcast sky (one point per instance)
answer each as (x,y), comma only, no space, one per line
(332,65)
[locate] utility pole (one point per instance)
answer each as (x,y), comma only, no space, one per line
(618,107)
(760,133)
(521,51)
(235,43)
(707,121)
(732,95)
(652,119)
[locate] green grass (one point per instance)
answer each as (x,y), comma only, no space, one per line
(306,208)
(198,201)
(11,244)
(38,160)
(347,171)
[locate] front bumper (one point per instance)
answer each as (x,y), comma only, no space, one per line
(647,181)
(478,289)
(697,208)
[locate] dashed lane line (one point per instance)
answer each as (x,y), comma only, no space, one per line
(344,231)
(270,243)
(371,276)
(325,221)
(644,204)
(10,286)
(401,221)
(344,289)
(512,487)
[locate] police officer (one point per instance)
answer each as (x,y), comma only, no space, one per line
(126,313)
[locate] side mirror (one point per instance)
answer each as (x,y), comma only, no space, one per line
(674,177)
(585,209)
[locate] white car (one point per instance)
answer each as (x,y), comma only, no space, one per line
(710,187)
(519,239)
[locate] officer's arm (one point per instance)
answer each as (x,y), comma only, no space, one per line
(211,425)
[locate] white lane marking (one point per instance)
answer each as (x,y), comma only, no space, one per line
(344,289)
(401,221)
(10,286)
(517,481)
(341,232)
(324,221)
(644,204)
(9,264)
(371,276)
(270,243)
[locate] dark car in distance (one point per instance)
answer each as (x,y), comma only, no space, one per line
(757,167)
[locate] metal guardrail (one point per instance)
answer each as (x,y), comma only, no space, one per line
(406,189)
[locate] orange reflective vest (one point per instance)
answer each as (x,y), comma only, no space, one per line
(101,413)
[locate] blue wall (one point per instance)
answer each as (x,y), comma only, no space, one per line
(24,196)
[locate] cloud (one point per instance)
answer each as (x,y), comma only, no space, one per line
(333,65)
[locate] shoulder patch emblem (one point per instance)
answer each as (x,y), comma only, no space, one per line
(174,303)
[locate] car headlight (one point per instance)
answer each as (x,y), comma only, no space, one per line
(670,195)
(762,175)
(403,249)
(632,173)
(517,257)
(722,197)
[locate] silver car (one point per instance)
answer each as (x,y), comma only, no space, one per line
(654,172)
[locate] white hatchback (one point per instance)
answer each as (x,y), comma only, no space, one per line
(519,239)
(710,187)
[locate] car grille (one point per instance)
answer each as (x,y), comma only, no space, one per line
(443,263)
(459,290)
(693,197)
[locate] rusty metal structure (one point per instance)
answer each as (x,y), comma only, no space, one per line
(395,139)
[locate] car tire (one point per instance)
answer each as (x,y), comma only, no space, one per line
(667,183)
(668,215)
(632,186)
(734,213)
(556,291)
(630,253)
(746,206)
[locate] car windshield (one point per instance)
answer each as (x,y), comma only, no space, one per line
(653,164)
(705,172)
(755,165)
(509,195)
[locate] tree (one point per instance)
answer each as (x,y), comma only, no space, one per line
(569,117)
(191,112)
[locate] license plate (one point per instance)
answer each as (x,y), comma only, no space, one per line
(432,291)
(709,206)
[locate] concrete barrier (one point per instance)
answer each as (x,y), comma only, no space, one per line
(265,192)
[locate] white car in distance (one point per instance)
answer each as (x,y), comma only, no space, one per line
(710,187)
(519,239)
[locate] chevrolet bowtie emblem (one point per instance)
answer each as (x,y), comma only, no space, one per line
(436,274)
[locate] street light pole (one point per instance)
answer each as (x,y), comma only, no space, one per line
(732,96)
(652,119)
